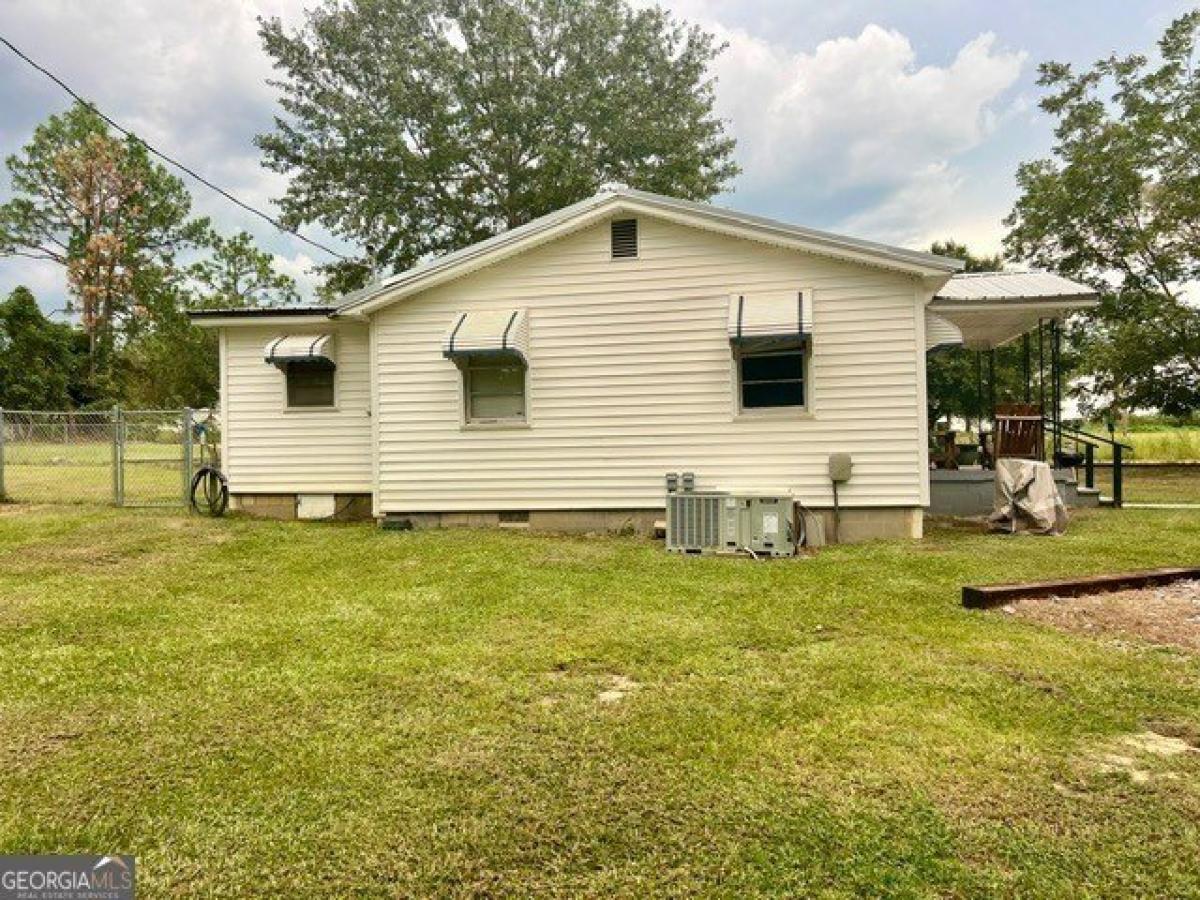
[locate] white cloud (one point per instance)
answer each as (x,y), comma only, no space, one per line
(300,268)
(859,118)
(41,276)
(190,78)
(915,212)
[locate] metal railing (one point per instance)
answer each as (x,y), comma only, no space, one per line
(1089,442)
(123,457)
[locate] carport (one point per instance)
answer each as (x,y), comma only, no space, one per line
(984,311)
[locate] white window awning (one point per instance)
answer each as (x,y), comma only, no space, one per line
(770,317)
(287,348)
(495,331)
(941,332)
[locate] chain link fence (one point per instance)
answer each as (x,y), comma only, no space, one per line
(123,457)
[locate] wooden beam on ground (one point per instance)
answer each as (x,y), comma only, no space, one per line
(985,596)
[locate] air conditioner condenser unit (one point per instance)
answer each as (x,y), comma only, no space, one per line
(762,525)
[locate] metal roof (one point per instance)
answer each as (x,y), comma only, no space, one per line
(993,308)
(1014,287)
(628,198)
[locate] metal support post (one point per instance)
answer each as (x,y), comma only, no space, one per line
(186,437)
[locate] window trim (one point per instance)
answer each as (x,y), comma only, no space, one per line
(466,422)
(289,408)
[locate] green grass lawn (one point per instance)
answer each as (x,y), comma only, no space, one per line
(1153,484)
(317,710)
(82,471)
(1179,443)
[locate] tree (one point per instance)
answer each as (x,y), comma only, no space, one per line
(237,275)
(973,263)
(36,358)
(420,127)
(104,211)
(175,363)
(1118,206)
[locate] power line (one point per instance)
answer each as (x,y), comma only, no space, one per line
(168,159)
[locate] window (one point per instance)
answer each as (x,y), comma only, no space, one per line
(772,378)
(310,383)
(495,388)
(624,239)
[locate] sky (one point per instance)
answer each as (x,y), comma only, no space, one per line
(901,121)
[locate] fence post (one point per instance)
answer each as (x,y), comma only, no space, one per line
(187,453)
(1089,465)
(117,459)
(3,495)
(1118,476)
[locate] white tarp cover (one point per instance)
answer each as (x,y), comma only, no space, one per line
(785,314)
(1027,499)
(299,348)
(488,331)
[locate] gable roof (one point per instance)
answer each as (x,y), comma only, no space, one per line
(629,201)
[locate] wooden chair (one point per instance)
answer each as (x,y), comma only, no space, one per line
(946,456)
(1020,431)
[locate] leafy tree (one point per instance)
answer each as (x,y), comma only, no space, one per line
(973,263)
(116,222)
(104,211)
(36,356)
(237,275)
(419,127)
(1118,206)
(172,366)
(175,363)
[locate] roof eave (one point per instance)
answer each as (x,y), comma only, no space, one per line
(1060,301)
(223,318)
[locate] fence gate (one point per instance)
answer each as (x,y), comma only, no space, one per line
(123,457)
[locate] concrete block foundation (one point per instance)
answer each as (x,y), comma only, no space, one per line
(283,507)
(566,521)
(855,524)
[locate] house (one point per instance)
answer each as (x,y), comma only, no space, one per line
(553,374)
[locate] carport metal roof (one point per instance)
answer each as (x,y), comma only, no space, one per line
(993,308)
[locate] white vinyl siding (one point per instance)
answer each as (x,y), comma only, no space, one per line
(272,449)
(631,375)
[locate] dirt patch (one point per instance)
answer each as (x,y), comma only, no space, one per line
(1157,744)
(619,688)
(13,508)
(1167,615)
(1141,757)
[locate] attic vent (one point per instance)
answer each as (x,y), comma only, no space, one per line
(625,239)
